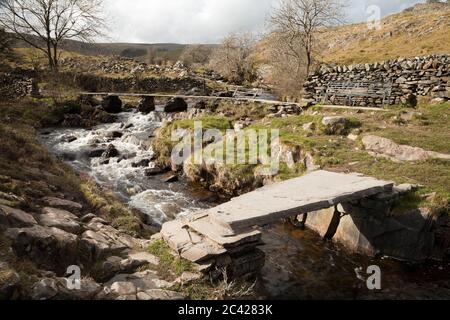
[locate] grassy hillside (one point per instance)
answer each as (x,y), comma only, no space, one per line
(140,51)
(87,48)
(419,30)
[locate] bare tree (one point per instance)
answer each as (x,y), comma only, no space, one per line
(196,54)
(45,24)
(297,22)
(233,58)
(287,67)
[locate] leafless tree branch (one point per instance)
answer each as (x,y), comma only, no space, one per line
(46,24)
(297,22)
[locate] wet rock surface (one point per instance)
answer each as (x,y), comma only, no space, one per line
(127,164)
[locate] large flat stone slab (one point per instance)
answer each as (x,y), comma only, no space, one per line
(315,191)
(222,236)
(188,243)
(387,148)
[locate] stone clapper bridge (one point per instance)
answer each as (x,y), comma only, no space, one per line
(226,237)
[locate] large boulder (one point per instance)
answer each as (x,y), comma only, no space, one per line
(112,104)
(15,218)
(407,237)
(115,265)
(97,245)
(387,148)
(176,105)
(102,241)
(146,105)
(56,289)
(73,121)
(103,116)
(63,204)
(60,219)
(50,248)
(128,286)
(336,125)
(368,228)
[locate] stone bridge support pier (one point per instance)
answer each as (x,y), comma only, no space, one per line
(368,226)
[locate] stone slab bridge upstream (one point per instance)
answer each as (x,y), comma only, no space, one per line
(236,99)
(226,237)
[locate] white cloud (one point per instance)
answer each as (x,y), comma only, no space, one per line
(207,21)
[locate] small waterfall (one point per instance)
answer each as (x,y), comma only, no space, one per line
(124,173)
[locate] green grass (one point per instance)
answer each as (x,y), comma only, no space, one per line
(242,111)
(169,265)
(427,130)
(208,122)
(163,144)
(106,204)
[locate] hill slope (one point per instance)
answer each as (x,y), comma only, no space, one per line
(419,30)
(170,51)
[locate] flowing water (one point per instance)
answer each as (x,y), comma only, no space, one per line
(299,264)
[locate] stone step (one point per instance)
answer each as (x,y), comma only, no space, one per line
(189,244)
(223,236)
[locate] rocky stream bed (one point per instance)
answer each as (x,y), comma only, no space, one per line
(299,264)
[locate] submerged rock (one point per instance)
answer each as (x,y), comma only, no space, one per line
(96,153)
(141,163)
(154,171)
(110,152)
(114,135)
(170,178)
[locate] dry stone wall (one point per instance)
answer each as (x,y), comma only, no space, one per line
(410,78)
(15,84)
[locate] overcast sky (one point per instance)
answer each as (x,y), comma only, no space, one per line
(208,21)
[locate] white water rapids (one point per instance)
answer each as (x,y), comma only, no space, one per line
(159,200)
